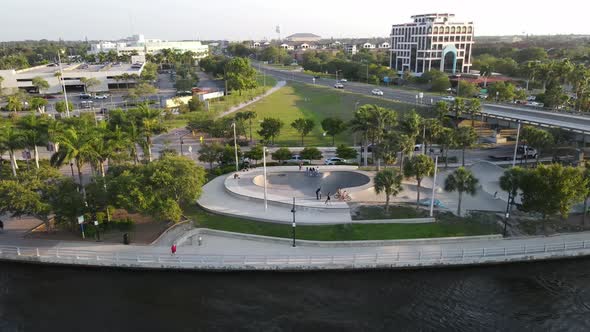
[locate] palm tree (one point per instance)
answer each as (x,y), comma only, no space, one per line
(419,167)
(442,110)
(40,83)
(580,80)
(510,182)
(149,124)
(361,124)
(446,139)
(411,124)
(39,104)
(388,181)
(485,71)
(586,175)
(382,120)
(77,146)
(461,181)
(11,140)
(459,108)
(248,116)
(474,107)
(35,133)
(465,137)
(15,103)
(89,83)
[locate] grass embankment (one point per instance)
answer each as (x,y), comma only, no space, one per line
(356,232)
(317,103)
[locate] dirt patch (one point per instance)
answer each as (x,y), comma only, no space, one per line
(533,225)
(143,231)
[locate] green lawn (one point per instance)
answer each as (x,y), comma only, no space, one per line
(316,103)
(447,228)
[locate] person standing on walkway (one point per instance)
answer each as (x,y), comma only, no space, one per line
(1,226)
(300,166)
(328,199)
(173,249)
(318,193)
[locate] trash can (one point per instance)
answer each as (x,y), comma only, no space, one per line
(126,238)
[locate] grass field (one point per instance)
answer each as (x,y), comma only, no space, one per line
(316,103)
(448,228)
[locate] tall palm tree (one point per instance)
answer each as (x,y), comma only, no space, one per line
(510,182)
(446,139)
(11,140)
(388,181)
(442,111)
(361,123)
(15,103)
(473,108)
(418,167)
(465,137)
(580,80)
(382,120)
(461,181)
(76,144)
(248,116)
(149,124)
(485,71)
(35,133)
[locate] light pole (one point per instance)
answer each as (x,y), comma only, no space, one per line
(63,85)
(264,172)
(294,224)
(236,147)
(182,142)
(433,186)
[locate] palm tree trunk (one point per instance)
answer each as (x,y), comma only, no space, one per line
(584,214)
(446,153)
(366,154)
(250,130)
(459,205)
(13,164)
(386,202)
(80,178)
(418,193)
(36,156)
(463,157)
(149,148)
(401,162)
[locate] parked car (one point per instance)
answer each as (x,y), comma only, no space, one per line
(448,99)
(85,96)
(102,96)
(339,86)
(334,161)
(482,96)
(296,159)
(86,103)
(377,92)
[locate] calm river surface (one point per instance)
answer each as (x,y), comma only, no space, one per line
(552,296)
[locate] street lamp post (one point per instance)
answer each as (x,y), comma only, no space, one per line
(182,142)
(236,147)
(264,172)
(433,186)
(63,85)
(294,224)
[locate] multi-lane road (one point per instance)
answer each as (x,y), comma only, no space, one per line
(512,113)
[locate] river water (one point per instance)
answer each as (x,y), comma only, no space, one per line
(551,296)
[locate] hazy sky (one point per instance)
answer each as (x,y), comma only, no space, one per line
(256,19)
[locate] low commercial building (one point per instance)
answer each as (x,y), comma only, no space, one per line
(303,37)
(432,41)
(350,49)
(109,76)
(138,44)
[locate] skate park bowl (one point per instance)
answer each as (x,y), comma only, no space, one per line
(299,184)
(286,182)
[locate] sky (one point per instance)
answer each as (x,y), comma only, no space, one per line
(257,19)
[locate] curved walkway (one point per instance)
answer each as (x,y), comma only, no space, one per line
(272,90)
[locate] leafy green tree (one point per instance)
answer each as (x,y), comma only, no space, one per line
(270,128)
(255,153)
(149,123)
(442,111)
(538,138)
(311,153)
(303,127)
(502,91)
(486,72)
(440,84)
(411,124)
(333,127)
(40,83)
(465,137)
(227,156)
(418,167)
(388,181)
(467,89)
(60,106)
(282,154)
(346,152)
(195,104)
(39,104)
(461,181)
(210,153)
(15,103)
(552,189)
(142,90)
(89,82)
(240,75)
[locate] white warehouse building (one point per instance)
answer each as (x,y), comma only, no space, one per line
(432,41)
(142,46)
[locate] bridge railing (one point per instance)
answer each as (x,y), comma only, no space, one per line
(420,257)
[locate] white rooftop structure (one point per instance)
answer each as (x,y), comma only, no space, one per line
(140,45)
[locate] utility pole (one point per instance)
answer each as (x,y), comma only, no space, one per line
(294,225)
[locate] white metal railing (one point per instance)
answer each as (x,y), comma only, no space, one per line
(422,257)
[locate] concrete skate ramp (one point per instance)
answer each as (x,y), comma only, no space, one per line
(300,182)
(489,178)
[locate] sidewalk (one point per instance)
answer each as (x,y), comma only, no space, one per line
(234,109)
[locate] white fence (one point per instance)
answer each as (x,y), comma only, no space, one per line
(277,262)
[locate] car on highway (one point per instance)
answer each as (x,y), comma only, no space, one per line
(343,80)
(448,99)
(102,96)
(334,161)
(49,96)
(296,159)
(376,92)
(339,86)
(86,103)
(317,77)
(85,96)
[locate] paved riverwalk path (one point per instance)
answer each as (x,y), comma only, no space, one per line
(230,251)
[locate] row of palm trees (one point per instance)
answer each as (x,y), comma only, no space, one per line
(82,141)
